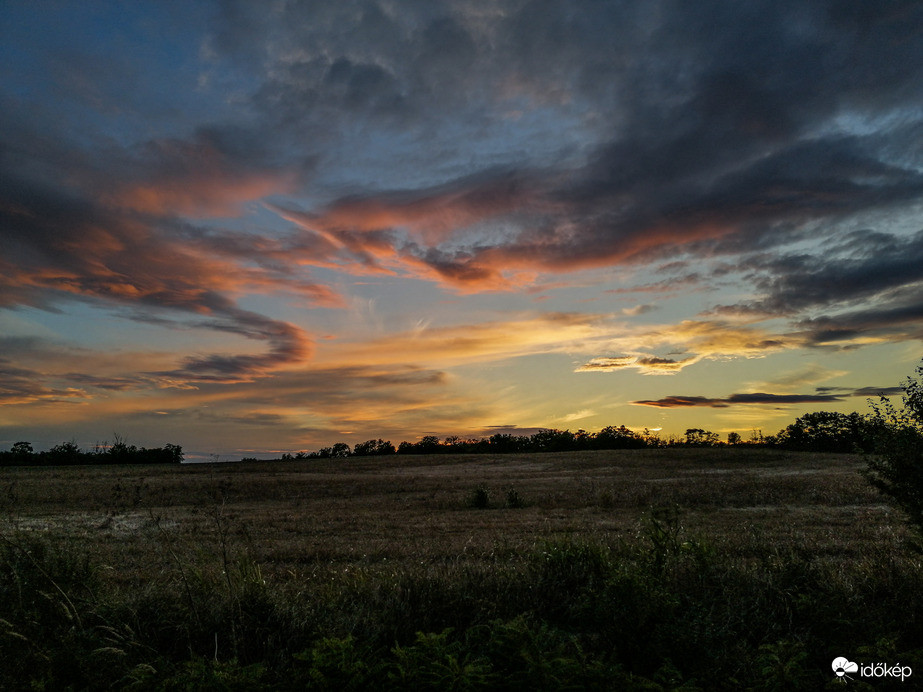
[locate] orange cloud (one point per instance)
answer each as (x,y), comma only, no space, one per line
(194,179)
(433,214)
(698,340)
(463,344)
(215,193)
(648,365)
(756,398)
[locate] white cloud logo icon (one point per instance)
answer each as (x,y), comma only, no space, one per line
(841,666)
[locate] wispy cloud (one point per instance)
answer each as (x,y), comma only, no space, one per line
(694,340)
(649,365)
(824,395)
(737,399)
(480,342)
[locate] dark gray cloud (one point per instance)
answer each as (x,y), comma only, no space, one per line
(115,384)
(824,395)
(716,129)
(865,265)
(736,399)
(873,392)
(896,321)
(865,285)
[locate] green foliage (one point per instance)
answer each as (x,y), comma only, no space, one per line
(439,662)
(214,676)
(339,663)
(781,667)
(896,467)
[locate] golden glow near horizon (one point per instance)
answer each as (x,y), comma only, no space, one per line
(316,224)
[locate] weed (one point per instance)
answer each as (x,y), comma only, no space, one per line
(338,663)
(479,498)
(514,499)
(439,662)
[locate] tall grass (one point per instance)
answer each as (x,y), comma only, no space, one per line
(663,612)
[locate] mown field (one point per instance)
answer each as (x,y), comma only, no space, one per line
(648,569)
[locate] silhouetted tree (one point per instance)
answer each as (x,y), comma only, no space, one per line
(552,440)
(896,468)
(505,442)
(174,453)
(428,444)
(64,453)
(121,452)
(828,431)
(620,437)
(21,449)
(377,447)
(70,453)
(696,437)
(340,450)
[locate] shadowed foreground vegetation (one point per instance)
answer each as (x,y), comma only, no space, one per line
(711,569)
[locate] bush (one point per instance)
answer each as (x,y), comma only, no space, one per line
(514,499)
(479,498)
(896,468)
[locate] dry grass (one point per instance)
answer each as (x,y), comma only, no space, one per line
(651,569)
(306,515)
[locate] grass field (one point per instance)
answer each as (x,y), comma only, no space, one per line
(649,569)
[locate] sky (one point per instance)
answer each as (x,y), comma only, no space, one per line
(259,227)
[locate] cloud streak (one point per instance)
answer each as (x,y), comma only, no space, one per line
(763,399)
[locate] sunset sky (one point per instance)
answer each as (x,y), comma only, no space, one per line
(257,227)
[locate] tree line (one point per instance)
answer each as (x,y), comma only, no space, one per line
(821,431)
(68,454)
